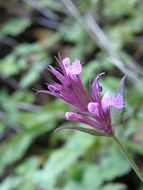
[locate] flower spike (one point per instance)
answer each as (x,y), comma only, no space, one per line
(94,110)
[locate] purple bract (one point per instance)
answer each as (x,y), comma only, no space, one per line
(90,108)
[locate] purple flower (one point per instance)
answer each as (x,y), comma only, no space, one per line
(90,108)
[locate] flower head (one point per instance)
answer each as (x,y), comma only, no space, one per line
(91,108)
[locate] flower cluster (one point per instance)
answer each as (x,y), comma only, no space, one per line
(91,108)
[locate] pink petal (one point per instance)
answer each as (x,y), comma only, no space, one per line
(80,118)
(97,88)
(119,101)
(110,100)
(93,108)
(75,68)
(66,63)
(70,115)
(58,75)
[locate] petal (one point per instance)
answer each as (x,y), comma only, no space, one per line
(80,118)
(60,61)
(106,100)
(75,68)
(58,75)
(66,62)
(56,88)
(116,115)
(110,100)
(72,116)
(96,86)
(93,108)
(119,101)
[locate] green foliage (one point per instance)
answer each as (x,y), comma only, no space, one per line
(119,8)
(114,186)
(14,26)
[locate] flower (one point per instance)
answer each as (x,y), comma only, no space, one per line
(90,108)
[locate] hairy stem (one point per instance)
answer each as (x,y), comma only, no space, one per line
(128,157)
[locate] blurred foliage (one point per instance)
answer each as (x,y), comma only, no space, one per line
(33,157)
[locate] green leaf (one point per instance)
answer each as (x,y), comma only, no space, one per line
(15,26)
(33,74)
(82,129)
(108,168)
(73,185)
(62,159)
(22,178)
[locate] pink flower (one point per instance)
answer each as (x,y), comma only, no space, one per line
(70,88)
(90,108)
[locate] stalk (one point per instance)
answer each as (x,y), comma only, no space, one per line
(128,157)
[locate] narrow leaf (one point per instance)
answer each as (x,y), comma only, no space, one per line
(85,130)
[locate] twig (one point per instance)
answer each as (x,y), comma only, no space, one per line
(28,107)
(45,22)
(132,63)
(99,37)
(10,82)
(8,41)
(44,11)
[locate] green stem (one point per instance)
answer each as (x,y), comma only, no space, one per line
(128,157)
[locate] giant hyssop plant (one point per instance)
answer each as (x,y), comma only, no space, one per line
(91,109)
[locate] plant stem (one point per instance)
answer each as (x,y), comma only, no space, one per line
(128,157)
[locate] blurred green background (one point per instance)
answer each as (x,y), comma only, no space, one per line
(106,35)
